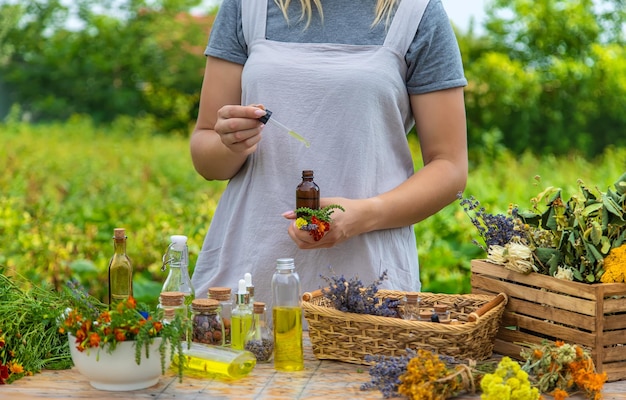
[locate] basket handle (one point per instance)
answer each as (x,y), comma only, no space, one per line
(308,296)
(473,316)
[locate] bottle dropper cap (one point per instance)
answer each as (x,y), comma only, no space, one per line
(242,293)
(266,117)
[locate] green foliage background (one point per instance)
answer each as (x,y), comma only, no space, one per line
(66,186)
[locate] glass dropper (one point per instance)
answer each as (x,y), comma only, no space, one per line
(266,118)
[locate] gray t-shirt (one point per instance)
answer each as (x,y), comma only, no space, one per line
(433,59)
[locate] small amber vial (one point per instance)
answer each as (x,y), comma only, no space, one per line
(307,192)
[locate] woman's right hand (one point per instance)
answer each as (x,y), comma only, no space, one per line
(239,127)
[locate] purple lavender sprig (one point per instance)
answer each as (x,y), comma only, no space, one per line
(385,373)
(496,229)
(350,295)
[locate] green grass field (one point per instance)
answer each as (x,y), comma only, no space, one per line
(65,187)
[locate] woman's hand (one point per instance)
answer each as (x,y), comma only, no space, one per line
(238,127)
(343,226)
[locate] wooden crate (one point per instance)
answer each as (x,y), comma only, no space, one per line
(543,307)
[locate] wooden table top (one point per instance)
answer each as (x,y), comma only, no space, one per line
(320,379)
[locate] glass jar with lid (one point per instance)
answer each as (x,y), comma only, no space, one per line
(411,306)
(207,325)
(224,296)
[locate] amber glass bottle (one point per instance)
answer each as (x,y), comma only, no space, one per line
(307,192)
(120,269)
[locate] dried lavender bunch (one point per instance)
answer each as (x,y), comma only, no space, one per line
(349,295)
(385,373)
(496,229)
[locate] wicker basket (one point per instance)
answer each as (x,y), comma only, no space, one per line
(349,337)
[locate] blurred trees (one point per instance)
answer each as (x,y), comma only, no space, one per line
(105,59)
(549,75)
(546,75)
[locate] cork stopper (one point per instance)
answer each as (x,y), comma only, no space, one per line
(172,298)
(440,308)
(204,305)
(220,293)
(412,297)
(119,233)
(258,307)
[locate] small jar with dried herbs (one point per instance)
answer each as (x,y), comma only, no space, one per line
(207,325)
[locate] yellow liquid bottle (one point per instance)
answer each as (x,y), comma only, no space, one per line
(204,361)
(240,319)
(120,270)
(288,348)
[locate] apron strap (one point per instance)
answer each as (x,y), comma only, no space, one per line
(404,25)
(253,19)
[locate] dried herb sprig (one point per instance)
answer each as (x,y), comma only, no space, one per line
(350,295)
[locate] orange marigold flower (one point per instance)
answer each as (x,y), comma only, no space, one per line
(94,340)
(157,325)
(16,368)
(105,316)
(537,353)
(80,335)
(559,343)
(132,303)
(559,394)
(120,336)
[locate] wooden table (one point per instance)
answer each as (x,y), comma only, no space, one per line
(325,379)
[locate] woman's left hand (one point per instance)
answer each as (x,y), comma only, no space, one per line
(343,225)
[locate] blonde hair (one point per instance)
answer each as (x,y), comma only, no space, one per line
(383,10)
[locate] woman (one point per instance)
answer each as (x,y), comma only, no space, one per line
(352,78)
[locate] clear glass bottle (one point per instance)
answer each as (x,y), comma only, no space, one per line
(223,295)
(120,269)
(172,304)
(209,361)
(176,257)
(259,340)
(207,326)
(241,318)
(307,192)
(411,306)
(287,317)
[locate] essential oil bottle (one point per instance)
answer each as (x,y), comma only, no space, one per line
(287,317)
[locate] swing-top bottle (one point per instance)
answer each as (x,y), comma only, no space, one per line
(176,258)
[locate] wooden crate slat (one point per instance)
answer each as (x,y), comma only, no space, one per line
(615,322)
(556,315)
(615,353)
(537,280)
(543,307)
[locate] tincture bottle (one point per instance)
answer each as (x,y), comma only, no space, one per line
(172,304)
(411,306)
(241,318)
(223,295)
(207,326)
(307,192)
(259,340)
(120,270)
(287,317)
(209,361)
(176,258)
